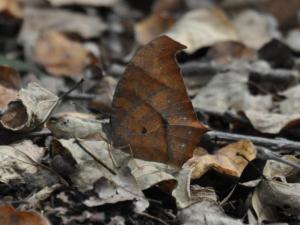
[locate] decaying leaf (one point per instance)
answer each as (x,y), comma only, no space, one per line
(275,194)
(37,20)
(61,56)
(30,110)
(9,77)
(229,91)
(76,125)
(10,216)
(18,160)
(122,184)
(103,3)
(152,26)
(12,7)
(230,160)
(255,29)
(6,95)
(271,123)
(203,27)
(206,212)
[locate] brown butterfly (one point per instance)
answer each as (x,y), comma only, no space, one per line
(152,113)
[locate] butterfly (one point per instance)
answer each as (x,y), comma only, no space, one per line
(151,110)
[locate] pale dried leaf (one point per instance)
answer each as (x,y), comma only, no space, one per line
(255,29)
(229,91)
(76,126)
(18,160)
(203,27)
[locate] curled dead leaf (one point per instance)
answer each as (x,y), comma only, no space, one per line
(12,7)
(29,111)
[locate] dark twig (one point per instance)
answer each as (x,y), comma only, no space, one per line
(273,144)
(95,158)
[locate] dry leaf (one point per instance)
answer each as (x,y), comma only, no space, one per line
(271,123)
(9,77)
(19,160)
(76,125)
(10,216)
(61,56)
(30,110)
(89,171)
(12,7)
(228,91)
(98,3)
(225,52)
(38,20)
(203,27)
(255,29)
(206,212)
(7,95)
(151,27)
(230,160)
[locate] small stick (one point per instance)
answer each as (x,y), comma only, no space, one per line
(95,158)
(273,144)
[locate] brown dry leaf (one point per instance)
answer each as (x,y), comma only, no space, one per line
(152,26)
(10,216)
(255,29)
(9,77)
(30,110)
(76,125)
(61,56)
(160,6)
(225,52)
(230,160)
(38,20)
(102,3)
(7,95)
(12,7)
(203,27)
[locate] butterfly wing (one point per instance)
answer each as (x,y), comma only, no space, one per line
(152,112)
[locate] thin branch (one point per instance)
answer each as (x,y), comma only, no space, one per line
(94,157)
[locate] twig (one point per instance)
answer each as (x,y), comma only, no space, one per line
(95,158)
(273,144)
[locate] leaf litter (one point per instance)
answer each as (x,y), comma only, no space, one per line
(60,160)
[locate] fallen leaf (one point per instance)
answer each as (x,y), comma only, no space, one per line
(152,26)
(229,91)
(203,27)
(230,160)
(89,171)
(98,3)
(9,78)
(76,125)
(18,160)
(271,123)
(225,52)
(30,110)
(61,56)
(10,216)
(37,20)
(12,7)
(206,212)
(255,29)
(152,114)
(7,95)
